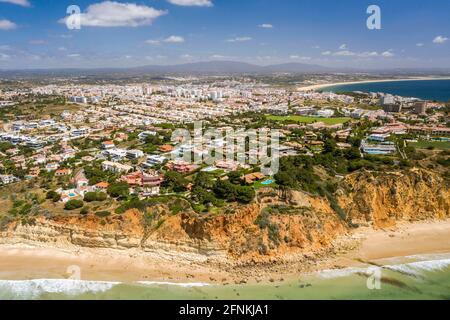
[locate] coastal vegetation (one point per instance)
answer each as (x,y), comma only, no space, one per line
(303,119)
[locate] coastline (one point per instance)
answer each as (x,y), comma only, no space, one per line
(316,87)
(370,246)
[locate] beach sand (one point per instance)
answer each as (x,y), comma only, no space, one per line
(27,262)
(316,87)
(406,239)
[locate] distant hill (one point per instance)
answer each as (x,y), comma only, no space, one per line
(232,67)
(211,67)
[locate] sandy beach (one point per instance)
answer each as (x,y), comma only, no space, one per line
(326,85)
(406,240)
(28,262)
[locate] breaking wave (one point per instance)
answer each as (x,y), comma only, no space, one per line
(419,267)
(33,289)
(411,268)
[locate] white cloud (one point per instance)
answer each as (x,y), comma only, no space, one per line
(266,26)
(387,54)
(440,39)
(74,55)
(153,42)
(4,56)
(343,47)
(115,14)
(365,54)
(186,57)
(62,49)
(420,44)
(171,39)
(192,3)
(368,54)
(344,53)
(297,57)
(23,3)
(218,56)
(222,57)
(239,39)
(174,39)
(7,25)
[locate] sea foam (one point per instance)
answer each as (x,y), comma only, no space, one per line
(184,285)
(419,267)
(412,268)
(33,289)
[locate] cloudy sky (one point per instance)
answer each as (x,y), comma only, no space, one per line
(35,33)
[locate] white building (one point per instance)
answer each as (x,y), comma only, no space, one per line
(116,167)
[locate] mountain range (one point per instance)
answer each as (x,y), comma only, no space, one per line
(213,67)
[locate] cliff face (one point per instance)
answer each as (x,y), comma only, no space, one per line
(120,232)
(386,198)
(280,224)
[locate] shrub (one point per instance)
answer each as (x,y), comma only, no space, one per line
(73,204)
(25,210)
(50,194)
(84,211)
(95,196)
(102,214)
(54,196)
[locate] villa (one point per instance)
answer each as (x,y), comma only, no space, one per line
(181,166)
(62,172)
(108,145)
(116,167)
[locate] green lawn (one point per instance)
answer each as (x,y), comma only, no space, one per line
(301,119)
(439,145)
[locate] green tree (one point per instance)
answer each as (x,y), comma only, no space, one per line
(119,190)
(175,181)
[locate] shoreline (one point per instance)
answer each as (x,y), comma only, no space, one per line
(316,87)
(25,262)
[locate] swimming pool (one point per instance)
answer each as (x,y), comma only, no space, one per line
(267,182)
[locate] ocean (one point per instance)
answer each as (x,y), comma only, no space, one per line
(413,277)
(438,90)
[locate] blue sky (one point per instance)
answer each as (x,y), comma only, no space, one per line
(414,33)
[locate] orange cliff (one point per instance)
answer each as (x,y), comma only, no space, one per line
(281,225)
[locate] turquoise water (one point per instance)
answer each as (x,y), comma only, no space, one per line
(417,277)
(267,182)
(438,90)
